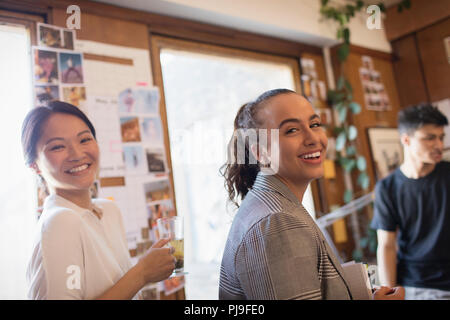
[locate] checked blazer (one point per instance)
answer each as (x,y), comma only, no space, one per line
(275,250)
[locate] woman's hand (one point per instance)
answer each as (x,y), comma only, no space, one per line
(387,293)
(158,263)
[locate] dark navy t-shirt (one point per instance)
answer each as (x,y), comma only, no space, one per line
(420,209)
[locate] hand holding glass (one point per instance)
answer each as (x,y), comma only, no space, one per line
(172,228)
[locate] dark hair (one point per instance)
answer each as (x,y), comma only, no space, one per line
(414,117)
(35,120)
(239,178)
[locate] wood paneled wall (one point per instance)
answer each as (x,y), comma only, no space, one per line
(417,38)
(435,64)
(421,14)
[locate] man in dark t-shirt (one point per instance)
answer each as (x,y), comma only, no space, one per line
(412,210)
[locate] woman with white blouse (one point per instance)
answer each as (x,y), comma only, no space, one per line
(80,250)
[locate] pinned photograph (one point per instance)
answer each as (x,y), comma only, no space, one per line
(45,67)
(157,210)
(146,100)
(155,160)
(71,67)
(44,94)
(49,36)
(364,74)
(150,293)
(129,127)
(74,95)
(325,116)
(367,62)
(322,90)
(126,101)
(152,131)
(157,191)
(68,39)
(134,159)
(173,284)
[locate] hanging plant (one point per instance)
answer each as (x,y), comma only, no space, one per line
(341,100)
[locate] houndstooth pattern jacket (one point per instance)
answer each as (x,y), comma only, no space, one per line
(275,251)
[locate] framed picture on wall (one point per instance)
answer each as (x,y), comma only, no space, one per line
(386,150)
(446,155)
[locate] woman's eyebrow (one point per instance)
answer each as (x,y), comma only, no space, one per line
(83,132)
(314,116)
(58,138)
(52,139)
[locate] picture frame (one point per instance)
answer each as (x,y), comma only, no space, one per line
(386,150)
(446,155)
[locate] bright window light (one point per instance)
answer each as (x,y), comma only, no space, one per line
(202,94)
(18,196)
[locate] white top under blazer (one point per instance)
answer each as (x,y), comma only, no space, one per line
(75,254)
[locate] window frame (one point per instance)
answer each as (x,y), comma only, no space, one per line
(158,42)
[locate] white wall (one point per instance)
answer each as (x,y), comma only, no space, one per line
(298,20)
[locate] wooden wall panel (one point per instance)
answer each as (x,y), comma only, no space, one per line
(408,72)
(383,63)
(106,29)
(421,14)
(369,118)
(434,59)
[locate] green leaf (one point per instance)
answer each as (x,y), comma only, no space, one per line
(363,180)
(351,150)
(363,242)
(340,141)
(342,18)
(343,52)
(348,195)
(355,107)
(357,255)
(342,111)
(349,88)
(352,132)
(373,244)
(359,4)
(324,2)
(334,96)
(346,35)
(347,163)
(341,83)
(350,10)
(361,163)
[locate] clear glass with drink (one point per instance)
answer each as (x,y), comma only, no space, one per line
(172,227)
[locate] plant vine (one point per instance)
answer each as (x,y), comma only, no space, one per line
(341,100)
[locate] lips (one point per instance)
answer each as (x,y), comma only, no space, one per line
(78,169)
(312,157)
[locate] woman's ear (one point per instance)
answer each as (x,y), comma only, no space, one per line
(35,168)
(261,155)
(254,151)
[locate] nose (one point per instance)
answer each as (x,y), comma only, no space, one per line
(311,137)
(75,152)
(440,144)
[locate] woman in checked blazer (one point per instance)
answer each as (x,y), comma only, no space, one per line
(274,248)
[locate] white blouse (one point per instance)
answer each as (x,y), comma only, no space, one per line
(75,254)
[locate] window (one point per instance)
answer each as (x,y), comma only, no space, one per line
(17,190)
(203,90)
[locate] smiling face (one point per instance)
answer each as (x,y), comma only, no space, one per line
(302,141)
(67,154)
